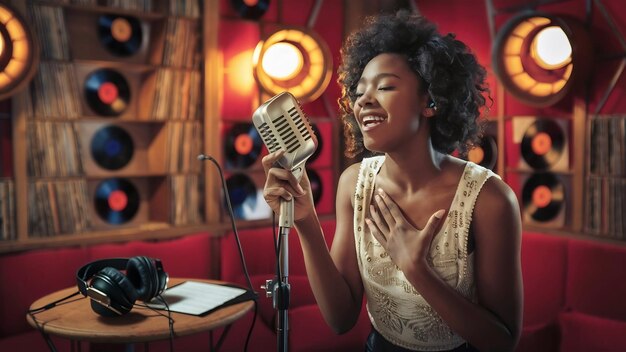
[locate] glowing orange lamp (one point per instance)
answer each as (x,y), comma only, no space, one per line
(18,54)
(295,60)
(539,58)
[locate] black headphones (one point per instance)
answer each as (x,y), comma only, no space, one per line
(113,293)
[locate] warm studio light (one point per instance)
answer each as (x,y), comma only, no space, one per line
(18,59)
(282,61)
(294,60)
(539,58)
(551,48)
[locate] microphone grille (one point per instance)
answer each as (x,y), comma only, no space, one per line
(268,137)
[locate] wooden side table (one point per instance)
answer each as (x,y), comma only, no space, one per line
(75,320)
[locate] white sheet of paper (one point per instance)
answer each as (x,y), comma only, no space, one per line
(193,297)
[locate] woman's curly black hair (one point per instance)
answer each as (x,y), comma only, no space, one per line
(447,69)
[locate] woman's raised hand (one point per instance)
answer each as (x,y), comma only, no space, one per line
(281,184)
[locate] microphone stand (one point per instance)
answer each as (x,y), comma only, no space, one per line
(279,289)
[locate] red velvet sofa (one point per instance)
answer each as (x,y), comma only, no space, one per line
(574,295)
(574,292)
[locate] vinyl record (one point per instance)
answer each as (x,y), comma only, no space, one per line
(116,200)
(485,153)
(242,146)
(107,92)
(250,9)
(542,144)
(243,196)
(112,147)
(316,185)
(543,196)
(121,35)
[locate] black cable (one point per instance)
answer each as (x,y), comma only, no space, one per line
(31,313)
(52,304)
(256,308)
(170,320)
(236,233)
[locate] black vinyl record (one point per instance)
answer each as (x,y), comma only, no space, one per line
(485,153)
(121,35)
(243,195)
(112,147)
(250,9)
(107,92)
(543,196)
(317,187)
(542,144)
(116,200)
(242,145)
(320,143)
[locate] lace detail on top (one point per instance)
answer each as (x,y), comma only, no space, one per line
(395,308)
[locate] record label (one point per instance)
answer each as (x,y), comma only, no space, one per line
(542,144)
(121,29)
(120,35)
(107,92)
(112,147)
(250,9)
(242,146)
(116,201)
(543,196)
(476,155)
(485,153)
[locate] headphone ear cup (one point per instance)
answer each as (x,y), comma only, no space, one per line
(143,275)
(117,287)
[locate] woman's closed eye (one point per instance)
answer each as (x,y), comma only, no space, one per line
(386,88)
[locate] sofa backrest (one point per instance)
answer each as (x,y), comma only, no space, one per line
(189,256)
(596,283)
(544,261)
(259,252)
(28,276)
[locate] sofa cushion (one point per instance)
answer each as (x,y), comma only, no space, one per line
(189,256)
(582,332)
(595,283)
(29,276)
(543,269)
(539,338)
(33,341)
(309,332)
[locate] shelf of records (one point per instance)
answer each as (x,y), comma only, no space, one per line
(605,192)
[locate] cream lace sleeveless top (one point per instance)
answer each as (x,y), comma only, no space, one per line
(395,308)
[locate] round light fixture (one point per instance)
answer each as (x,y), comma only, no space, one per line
(295,60)
(539,57)
(282,61)
(18,54)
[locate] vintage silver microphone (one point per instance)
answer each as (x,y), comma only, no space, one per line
(282,125)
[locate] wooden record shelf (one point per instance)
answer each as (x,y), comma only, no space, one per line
(158,224)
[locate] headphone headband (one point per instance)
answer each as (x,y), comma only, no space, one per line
(88,270)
